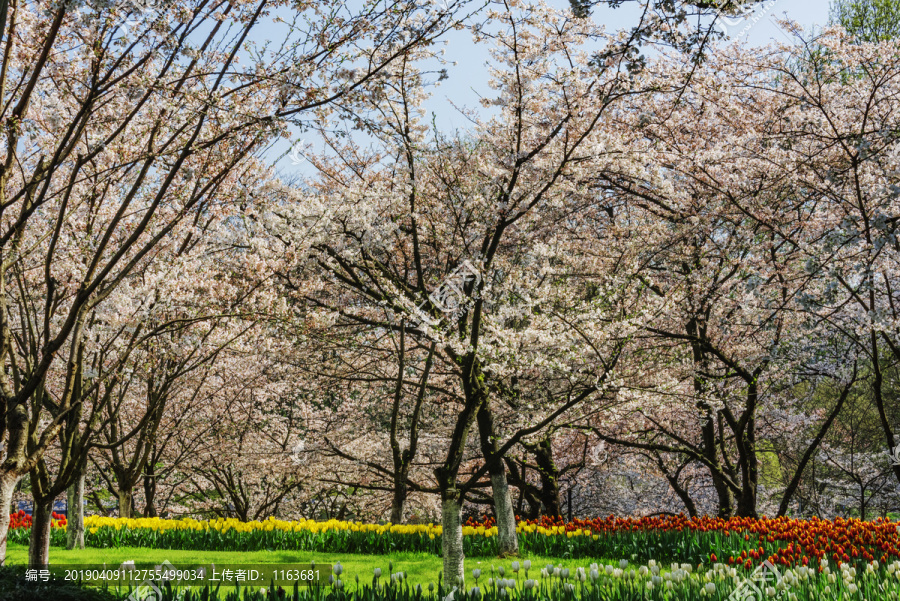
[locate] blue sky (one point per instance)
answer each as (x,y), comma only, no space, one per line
(467,81)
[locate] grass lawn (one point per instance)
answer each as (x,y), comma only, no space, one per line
(421,568)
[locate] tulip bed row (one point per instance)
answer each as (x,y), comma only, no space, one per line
(738,541)
(520,582)
(20,520)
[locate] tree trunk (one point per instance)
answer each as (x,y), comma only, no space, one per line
(749,462)
(39,546)
(534,505)
(507,538)
(726,498)
(7,487)
(747,501)
(549,473)
(101,509)
(696,329)
(517,474)
(150,492)
(452,539)
(75,514)
(126,503)
(681,491)
(685,497)
(862,502)
(398,502)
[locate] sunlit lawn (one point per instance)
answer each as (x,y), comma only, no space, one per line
(421,568)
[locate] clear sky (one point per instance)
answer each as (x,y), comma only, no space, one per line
(467,80)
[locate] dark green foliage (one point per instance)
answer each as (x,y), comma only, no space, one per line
(14,588)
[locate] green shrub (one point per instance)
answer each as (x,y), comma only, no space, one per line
(14,588)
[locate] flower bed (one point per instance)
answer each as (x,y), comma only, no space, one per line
(739,542)
(21,520)
(747,541)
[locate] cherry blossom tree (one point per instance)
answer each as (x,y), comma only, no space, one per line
(832,140)
(130,131)
(724,291)
(536,324)
(259,430)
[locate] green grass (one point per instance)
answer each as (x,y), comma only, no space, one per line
(421,568)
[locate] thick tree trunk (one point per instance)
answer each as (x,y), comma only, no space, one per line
(126,503)
(398,502)
(150,492)
(75,514)
(549,473)
(507,538)
(452,540)
(7,487)
(749,462)
(39,546)
(696,328)
(747,502)
(726,498)
(504,512)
